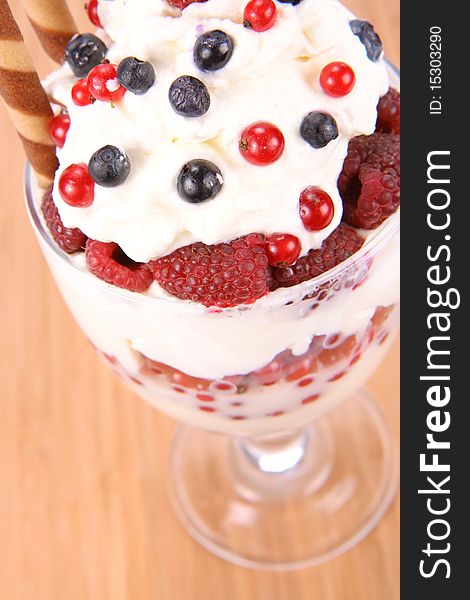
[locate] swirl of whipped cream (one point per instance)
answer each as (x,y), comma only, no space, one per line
(272,76)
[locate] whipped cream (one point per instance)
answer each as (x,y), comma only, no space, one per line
(272,76)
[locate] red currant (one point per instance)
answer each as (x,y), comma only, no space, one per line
(76,187)
(92,9)
(103,83)
(337,79)
(269,374)
(260,15)
(316,209)
(182,4)
(261,143)
(282,249)
(80,94)
(58,128)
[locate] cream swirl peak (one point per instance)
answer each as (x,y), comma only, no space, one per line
(271,76)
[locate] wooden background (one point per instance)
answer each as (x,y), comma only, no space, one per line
(84,509)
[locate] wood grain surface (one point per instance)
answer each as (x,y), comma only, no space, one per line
(84,508)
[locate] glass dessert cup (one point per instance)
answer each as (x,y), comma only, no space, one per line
(273,468)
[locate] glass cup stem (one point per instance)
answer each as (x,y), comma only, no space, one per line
(277,466)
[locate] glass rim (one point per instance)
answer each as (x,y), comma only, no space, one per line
(375,241)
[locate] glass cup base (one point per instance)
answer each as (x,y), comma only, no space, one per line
(289,501)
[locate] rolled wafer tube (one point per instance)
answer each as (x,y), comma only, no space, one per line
(53,23)
(25,98)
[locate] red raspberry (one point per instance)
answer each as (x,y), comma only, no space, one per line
(388,112)
(153,367)
(269,374)
(189,382)
(222,275)
(330,356)
(380,316)
(108,262)
(369,183)
(338,246)
(298,368)
(69,240)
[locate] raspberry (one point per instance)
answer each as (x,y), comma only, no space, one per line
(222,275)
(174,376)
(69,240)
(369,183)
(388,112)
(299,368)
(189,382)
(380,317)
(330,356)
(153,367)
(108,262)
(269,374)
(338,246)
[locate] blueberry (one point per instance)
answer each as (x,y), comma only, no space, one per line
(212,50)
(189,96)
(83,52)
(136,75)
(293,2)
(318,129)
(199,180)
(366,33)
(109,167)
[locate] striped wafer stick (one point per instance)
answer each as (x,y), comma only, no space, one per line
(53,23)
(25,98)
